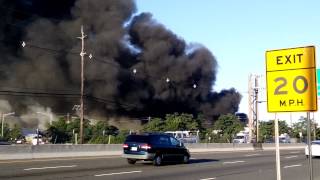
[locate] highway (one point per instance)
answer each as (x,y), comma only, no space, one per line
(249,165)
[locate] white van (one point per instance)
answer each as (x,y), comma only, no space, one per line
(185,136)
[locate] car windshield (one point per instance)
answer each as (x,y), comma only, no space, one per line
(239,137)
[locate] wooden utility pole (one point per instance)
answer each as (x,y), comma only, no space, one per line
(82,54)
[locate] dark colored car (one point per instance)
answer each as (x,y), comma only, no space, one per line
(158,148)
(4,143)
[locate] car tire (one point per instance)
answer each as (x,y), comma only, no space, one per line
(157,161)
(186,159)
(131,161)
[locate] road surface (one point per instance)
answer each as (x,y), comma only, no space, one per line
(249,165)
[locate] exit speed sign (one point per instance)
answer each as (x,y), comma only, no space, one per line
(291,80)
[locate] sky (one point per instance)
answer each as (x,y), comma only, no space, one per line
(238,33)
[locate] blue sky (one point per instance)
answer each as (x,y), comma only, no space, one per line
(239,32)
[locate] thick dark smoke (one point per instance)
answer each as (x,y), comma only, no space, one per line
(139,67)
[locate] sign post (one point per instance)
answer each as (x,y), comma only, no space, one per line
(309,146)
(291,87)
(276,132)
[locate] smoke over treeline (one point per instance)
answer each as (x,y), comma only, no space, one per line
(139,67)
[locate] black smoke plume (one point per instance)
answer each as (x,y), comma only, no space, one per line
(138,67)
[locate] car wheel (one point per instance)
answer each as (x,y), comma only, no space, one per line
(186,159)
(157,161)
(132,161)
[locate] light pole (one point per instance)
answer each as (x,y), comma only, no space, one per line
(47,114)
(2,121)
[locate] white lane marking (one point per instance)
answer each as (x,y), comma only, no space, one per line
(294,152)
(208,178)
(233,162)
(296,165)
(57,159)
(50,167)
(193,158)
(249,155)
(289,157)
(117,173)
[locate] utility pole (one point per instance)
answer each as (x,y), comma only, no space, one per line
(256,91)
(82,54)
(250,108)
(253,100)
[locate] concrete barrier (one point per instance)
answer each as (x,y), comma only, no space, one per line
(211,147)
(8,152)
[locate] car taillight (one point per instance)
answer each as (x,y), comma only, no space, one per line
(145,146)
(125,145)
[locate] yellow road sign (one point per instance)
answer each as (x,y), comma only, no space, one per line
(291,80)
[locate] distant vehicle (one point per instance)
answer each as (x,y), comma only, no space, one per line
(315,149)
(284,138)
(158,148)
(20,141)
(185,136)
(36,140)
(242,137)
(269,141)
(4,143)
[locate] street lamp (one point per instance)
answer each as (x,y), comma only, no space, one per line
(2,121)
(47,114)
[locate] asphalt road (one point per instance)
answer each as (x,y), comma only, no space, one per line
(251,165)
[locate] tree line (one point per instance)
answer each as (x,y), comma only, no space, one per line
(223,130)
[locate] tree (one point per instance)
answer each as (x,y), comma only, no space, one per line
(11,134)
(228,126)
(176,122)
(155,125)
(58,132)
(173,122)
(62,132)
(266,129)
(301,127)
(15,132)
(101,132)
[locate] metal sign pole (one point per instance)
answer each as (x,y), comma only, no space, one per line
(309,146)
(276,130)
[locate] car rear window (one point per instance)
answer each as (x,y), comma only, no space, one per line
(137,138)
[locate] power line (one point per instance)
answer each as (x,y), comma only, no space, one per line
(56,51)
(47,94)
(72,53)
(63,95)
(9,88)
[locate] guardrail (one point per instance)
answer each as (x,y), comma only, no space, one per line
(65,150)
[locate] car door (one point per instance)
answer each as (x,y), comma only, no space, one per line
(166,150)
(177,149)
